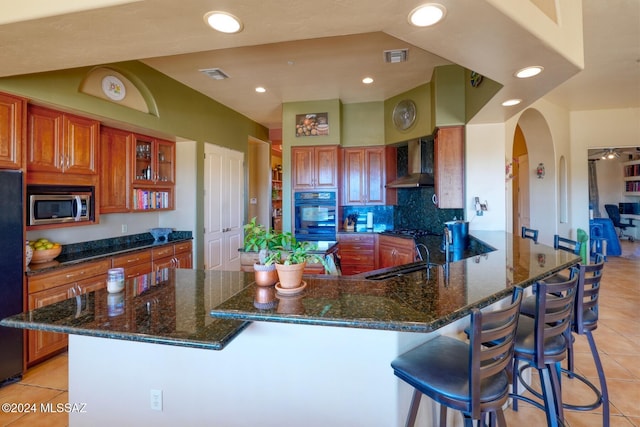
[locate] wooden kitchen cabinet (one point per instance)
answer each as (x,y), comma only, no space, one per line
(394,251)
(449,167)
(13,117)
(314,168)
(358,252)
(172,256)
(134,263)
(62,148)
(115,165)
(152,174)
(58,285)
(364,176)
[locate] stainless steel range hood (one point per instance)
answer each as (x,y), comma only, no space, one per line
(420,165)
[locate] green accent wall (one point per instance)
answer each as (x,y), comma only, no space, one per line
(182,111)
(477,97)
(363,124)
(421,96)
(448,84)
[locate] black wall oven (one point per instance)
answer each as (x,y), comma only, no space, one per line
(315,215)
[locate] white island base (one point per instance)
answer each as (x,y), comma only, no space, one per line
(272,374)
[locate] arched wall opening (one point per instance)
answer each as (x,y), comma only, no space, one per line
(537,204)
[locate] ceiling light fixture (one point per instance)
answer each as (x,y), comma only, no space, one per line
(260,89)
(367,80)
(511,102)
(223,22)
(527,72)
(426,15)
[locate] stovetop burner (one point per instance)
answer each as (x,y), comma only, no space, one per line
(414,232)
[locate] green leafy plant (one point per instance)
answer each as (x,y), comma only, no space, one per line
(267,242)
(298,252)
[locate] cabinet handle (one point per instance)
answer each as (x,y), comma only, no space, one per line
(434,199)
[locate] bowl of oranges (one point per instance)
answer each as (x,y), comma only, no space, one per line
(44,250)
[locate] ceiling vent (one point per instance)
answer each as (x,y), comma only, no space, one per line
(397,55)
(215,73)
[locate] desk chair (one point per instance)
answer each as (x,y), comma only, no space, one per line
(529,233)
(469,377)
(541,344)
(614,215)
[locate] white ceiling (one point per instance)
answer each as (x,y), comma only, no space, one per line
(310,50)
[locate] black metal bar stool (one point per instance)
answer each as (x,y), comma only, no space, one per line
(585,320)
(469,377)
(529,233)
(541,344)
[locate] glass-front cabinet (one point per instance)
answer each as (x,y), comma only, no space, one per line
(153,174)
(155,161)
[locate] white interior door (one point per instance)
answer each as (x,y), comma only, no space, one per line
(223,207)
(524,211)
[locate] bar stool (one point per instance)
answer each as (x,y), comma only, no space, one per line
(529,233)
(541,344)
(585,320)
(568,245)
(469,377)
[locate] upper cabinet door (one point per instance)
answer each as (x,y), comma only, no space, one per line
(44,152)
(314,168)
(81,145)
(449,167)
(12,119)
(326,167)
(115,146)
(375,176)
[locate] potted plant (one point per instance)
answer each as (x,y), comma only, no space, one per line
(290,264)
(263,242)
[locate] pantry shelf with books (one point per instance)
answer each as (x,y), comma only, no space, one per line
(632,178)
(152,199)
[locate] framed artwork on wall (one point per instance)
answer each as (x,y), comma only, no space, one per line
(312,124)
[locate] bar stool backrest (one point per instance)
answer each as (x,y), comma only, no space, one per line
(554,310)
(586,307)
(565,244)
(491,343)
(529,233)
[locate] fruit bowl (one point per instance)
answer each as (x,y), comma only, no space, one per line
(45,255)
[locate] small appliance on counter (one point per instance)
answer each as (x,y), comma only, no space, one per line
(459,231)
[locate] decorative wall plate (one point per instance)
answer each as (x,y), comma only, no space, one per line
(404,114)
(476,79)
(113,88)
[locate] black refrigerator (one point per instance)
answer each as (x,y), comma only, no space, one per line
(11,272)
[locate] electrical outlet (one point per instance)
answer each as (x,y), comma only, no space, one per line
(124,228)
(156,399)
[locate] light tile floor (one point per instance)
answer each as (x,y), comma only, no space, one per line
(617,338)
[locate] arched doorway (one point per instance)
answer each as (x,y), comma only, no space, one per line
(534,196)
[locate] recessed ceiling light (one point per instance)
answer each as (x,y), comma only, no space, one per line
(427,14)
(223,22)
(367,80)
(511,102)
(529,72)
(260,89)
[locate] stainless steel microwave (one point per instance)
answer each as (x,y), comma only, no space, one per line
(59,205)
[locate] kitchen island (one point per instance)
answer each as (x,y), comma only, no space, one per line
(315,359)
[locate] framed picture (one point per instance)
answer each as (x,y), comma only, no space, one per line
(312,124)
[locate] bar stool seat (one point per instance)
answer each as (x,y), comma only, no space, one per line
(469,377)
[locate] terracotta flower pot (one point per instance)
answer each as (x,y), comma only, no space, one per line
(265,275)
(290,275)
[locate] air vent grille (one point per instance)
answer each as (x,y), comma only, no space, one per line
(396,55)
(215,73)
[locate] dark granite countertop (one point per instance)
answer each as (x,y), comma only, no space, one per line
(206,309)
(419,301)
(93,250)
(171,307)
